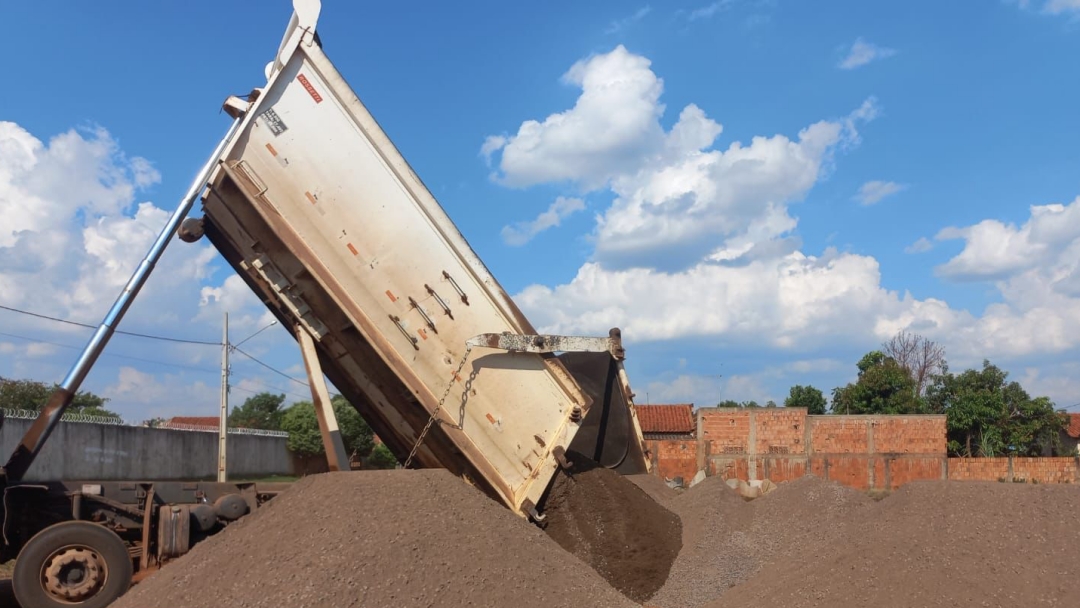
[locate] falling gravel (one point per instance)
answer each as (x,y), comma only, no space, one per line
(614,526)
(399,538)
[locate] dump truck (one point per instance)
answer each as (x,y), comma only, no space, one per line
(313,206)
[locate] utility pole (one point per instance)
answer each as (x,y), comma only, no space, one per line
(223,432)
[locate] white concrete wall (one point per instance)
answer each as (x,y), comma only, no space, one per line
(86,451)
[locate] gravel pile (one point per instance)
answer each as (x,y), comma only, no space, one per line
(655,487)
(612,525)
(398,538)
(727,539)
(936,543)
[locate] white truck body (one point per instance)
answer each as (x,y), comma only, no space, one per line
(324,219)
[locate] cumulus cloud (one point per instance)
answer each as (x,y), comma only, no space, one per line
(873,191)
(523,232)
(862,53)
(72,230)
(677,199)
(920,246)
(609,131)
(699,241)
(993,249)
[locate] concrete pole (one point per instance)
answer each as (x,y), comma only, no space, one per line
(223,432)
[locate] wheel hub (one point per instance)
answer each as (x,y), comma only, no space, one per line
(74,574)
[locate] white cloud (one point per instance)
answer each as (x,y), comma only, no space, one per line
(862,53)
(700,243)
(709,10)
(873,191)
(491,145)
(993,249)
(523,232)
(73,230)
(620,24)
(613,125)
(677,200)
(1053,7)
(920,246)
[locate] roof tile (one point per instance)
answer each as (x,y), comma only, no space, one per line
(673,418)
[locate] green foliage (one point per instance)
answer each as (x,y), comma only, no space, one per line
(300,422)
(806,396)
(733,403)
(262,411)
(990,416)
(382,458)
(33,395)
(883,387)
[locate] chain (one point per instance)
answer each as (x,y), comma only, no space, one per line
(438,408)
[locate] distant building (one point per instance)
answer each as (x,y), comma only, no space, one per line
(197,421)
(670,421)
(1070,436)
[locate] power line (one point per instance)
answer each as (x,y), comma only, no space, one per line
(127,333)
(190,367)
(271,386)
(276,371)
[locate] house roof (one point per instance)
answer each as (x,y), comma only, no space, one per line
(196,420)
(672,418)
(1073,430)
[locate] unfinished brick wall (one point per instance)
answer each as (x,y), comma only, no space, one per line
(1038,470)
(674,457)
(865,452)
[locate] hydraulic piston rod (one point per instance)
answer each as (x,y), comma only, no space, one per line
(50,415)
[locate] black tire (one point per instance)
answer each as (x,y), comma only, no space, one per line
(106,548)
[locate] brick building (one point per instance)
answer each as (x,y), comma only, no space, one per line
(670,432)
(876,452)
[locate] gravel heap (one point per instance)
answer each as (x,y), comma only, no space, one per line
(614,526)
(935,543)
(655,487)
(727,539)
(398,538)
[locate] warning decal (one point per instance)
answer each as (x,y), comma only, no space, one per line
(310,89)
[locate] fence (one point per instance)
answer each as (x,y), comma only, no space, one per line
(110,449)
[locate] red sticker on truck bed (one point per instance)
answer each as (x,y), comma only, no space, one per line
(310,89)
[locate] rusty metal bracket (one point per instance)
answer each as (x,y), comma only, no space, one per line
(546,343)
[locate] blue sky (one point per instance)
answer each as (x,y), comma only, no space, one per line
(758,192)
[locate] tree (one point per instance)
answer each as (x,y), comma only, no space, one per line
(922,359)
(989,416)
(382,458)
(302,425)
(883,387)
(33,395)
(806,396)
(261,411)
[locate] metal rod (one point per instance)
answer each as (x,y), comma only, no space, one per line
(50,415)
(223,417)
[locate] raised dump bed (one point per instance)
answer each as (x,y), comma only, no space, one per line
(324,219)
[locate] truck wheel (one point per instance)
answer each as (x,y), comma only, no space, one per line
(74,563)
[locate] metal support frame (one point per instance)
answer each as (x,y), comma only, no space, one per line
(336,457)
(50,415)
(546,343)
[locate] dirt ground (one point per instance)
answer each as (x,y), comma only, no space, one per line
(424,538)
(933,543)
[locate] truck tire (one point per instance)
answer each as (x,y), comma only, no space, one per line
(74,563)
